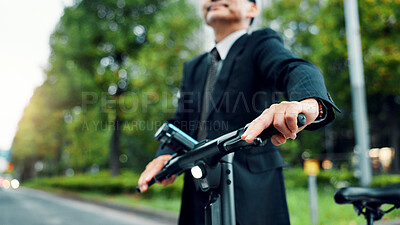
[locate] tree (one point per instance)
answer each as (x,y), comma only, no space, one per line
(316,30)
(40,136)
(117,62)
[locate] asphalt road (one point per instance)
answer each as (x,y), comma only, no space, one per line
(31,207)
(391,222)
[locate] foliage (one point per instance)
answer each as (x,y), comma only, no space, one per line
(114,71)
(111,70)
(385,179)
(89,140)
(296,178)
(333,179)
(315,30)
(40,135)
(103,182)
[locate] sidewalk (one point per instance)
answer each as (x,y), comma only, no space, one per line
(390,222)
(160,215)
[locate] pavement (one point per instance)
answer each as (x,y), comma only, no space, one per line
(26,206)
(389,222)
(167,217)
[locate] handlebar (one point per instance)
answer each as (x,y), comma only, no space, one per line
(210,151)
(271,130)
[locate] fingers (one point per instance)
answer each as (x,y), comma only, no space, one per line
(168,181)
(151,170)
(291,122)
(278,139)
(282,116)
(257,126)
(282,125)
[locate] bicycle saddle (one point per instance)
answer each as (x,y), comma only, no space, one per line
(376,196)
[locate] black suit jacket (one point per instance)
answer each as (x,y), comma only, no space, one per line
(256,71)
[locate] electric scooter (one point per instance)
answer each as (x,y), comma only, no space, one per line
(210,163)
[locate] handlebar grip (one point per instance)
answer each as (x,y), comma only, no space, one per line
(271,130)
(151,182)
(163,174)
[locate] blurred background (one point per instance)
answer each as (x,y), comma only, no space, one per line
(85,84)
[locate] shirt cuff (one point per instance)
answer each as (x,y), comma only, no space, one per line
(322,111)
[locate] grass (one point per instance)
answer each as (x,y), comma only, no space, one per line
(329,213)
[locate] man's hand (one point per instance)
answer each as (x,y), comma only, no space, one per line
(283,117)
(151,170)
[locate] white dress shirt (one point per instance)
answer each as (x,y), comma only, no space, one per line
(226,44)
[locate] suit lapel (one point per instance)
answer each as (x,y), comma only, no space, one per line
(199,69)
(225,73)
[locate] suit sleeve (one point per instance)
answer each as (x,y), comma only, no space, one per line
(297,78)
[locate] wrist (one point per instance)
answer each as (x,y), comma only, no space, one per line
(311,108)
(321,109)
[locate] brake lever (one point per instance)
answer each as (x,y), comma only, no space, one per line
(238,144)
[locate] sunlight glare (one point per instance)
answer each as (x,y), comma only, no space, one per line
(24,43)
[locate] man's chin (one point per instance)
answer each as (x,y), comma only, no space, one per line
(213,18)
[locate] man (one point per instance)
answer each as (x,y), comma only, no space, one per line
(223,90)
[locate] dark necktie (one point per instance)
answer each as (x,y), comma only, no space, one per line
(208,88)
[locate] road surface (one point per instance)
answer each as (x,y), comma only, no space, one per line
(31,207)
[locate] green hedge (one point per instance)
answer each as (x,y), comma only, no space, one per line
(385,179)
(295,178)
(103,182)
